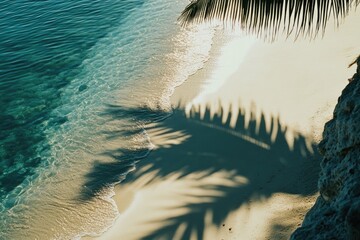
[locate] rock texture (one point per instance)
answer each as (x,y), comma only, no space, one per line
(336,213)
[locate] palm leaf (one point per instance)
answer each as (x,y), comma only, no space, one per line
(267,17)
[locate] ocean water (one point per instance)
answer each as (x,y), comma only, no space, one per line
(69,73)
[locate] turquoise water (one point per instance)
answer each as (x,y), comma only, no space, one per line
(68,70)
(42,44)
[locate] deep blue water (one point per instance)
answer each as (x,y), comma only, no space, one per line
(42,44)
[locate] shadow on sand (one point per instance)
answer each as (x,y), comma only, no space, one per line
(258,161)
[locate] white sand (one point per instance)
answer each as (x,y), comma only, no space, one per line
(299,82)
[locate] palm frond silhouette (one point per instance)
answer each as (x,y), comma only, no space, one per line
(267,17)
(206,167)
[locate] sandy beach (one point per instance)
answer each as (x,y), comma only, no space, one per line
(137,120)
(237,159)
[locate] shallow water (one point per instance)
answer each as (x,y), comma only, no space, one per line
(69,72)
(42,46)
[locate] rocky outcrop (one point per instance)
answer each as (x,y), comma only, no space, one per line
(336,213)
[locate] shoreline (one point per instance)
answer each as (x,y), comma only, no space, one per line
(158,194)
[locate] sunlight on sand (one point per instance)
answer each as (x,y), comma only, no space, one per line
(165,138)
(160,200)
(226,66)
(240,161)
(299,80)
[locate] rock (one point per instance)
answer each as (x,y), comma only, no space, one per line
(83,87)
(353,221)
(336,213)
(357,74)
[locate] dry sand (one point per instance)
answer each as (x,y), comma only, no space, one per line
(250,174)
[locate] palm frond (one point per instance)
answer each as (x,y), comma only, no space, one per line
(267,17)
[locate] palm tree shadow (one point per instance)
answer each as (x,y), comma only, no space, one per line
(188,145)
(105,174)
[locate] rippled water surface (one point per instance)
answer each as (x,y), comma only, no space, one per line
(42,45)
(69,70)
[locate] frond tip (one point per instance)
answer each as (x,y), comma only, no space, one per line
(269,16)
